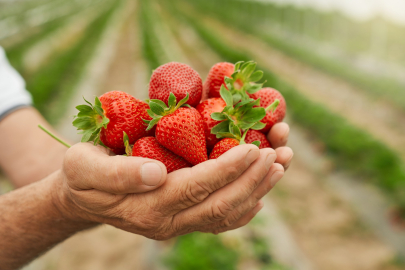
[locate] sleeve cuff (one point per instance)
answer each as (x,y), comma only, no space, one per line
(4,114)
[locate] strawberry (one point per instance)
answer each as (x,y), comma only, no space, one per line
(240,83)
(222,146)
(216,78)
(149,147)
(179,129)
(179,79)
(275,105)
(254,135)
(206,108)
(111,115)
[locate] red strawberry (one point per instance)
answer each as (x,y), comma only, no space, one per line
(215,79)
(254,135)
(267,97)
(178,79)
(179,129)
(149,147)
(111,115)
(206,108)
(222,146)
(182,132)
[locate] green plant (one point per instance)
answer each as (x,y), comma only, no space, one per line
(352,149)
(199,251)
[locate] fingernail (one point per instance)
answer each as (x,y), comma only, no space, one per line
(275,178)
(270,160)
(151,174)
(252,156)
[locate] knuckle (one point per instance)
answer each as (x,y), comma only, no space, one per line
(72,162)
(230,220)
(117,177)
(220,210)
(225,175)
(196,192)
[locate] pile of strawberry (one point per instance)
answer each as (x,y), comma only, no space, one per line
(185,120)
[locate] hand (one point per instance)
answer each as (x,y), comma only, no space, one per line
(137,195)
(278,136)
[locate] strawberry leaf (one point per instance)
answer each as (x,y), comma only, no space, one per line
(221,135)
(221,127)
(254,88)
(256,76)
(226,96)
(97,107)
(272,107)
(172,100)
(91,105)
(90,120)
(156,108)
(237,65)
(153,122)
(218,116)
(254,115)
(128,149)
(258,126)
(257,143)
(161,103)
(181,102)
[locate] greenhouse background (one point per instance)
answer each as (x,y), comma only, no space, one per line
(339,64)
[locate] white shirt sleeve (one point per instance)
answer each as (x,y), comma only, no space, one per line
(13,94)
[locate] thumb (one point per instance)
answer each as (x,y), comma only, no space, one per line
(89,167)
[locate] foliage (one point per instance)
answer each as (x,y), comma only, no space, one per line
(352,148)
(199,251)
(246,16)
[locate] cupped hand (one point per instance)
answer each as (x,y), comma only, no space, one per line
(278,136)
(137,195)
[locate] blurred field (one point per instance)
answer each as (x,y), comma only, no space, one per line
(340,206)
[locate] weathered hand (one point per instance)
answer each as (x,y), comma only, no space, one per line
(214,196)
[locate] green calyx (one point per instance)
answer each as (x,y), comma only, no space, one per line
(128,148)
(237,118)
(244,81)
(158,109)
(273,106)
(90,120)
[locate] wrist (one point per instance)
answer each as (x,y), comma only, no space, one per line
(64,206)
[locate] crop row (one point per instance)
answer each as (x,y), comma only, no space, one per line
(54,82)
(352,149)
(234,15)
(217,255)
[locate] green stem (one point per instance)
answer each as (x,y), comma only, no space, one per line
(273,106)
(54,136)
(242,140)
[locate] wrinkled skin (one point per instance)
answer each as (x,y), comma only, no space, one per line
(214,196)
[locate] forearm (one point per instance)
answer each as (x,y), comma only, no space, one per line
(27,153)
(32,220)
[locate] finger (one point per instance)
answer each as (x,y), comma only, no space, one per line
(243,221)
(278,135)
(191,186)
(273,176)
(221,203)
(284,156)
(90,167)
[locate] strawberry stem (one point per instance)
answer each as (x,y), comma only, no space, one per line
(242,140)
(272,107)
(54,136)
